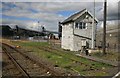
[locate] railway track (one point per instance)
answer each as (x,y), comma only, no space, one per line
(57,52)
(49,49)
(26,65)
(9,68)
(49,72)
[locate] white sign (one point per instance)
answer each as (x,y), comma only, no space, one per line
(30,38)
(83,42)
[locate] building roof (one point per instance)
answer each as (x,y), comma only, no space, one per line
(77,15)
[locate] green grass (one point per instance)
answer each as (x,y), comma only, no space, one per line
(31,43)
(112,56)
(63,60)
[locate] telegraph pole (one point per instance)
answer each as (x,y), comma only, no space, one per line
(104,27)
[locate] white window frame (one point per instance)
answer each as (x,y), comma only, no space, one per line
(80,25)
(76,26)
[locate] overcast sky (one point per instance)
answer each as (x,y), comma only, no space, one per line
(27,14)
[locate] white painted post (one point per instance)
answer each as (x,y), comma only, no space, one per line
(73,27)
(93,29)
(93,35)
(73,34)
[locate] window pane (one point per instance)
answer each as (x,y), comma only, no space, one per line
(76,25)
(84,25)
(80,25)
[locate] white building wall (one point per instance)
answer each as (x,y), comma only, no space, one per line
(67,37)
(84,32)
(90,43)
(77,43)
(71,42)
(74,43)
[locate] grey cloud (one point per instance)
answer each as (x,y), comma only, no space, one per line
(47,11)
(12,23)
(112,11)
(22,24)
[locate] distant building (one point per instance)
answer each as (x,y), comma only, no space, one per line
(18,32)
(77,31)
(6,31)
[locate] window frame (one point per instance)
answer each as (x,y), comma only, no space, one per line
(76,25)
(80,25)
